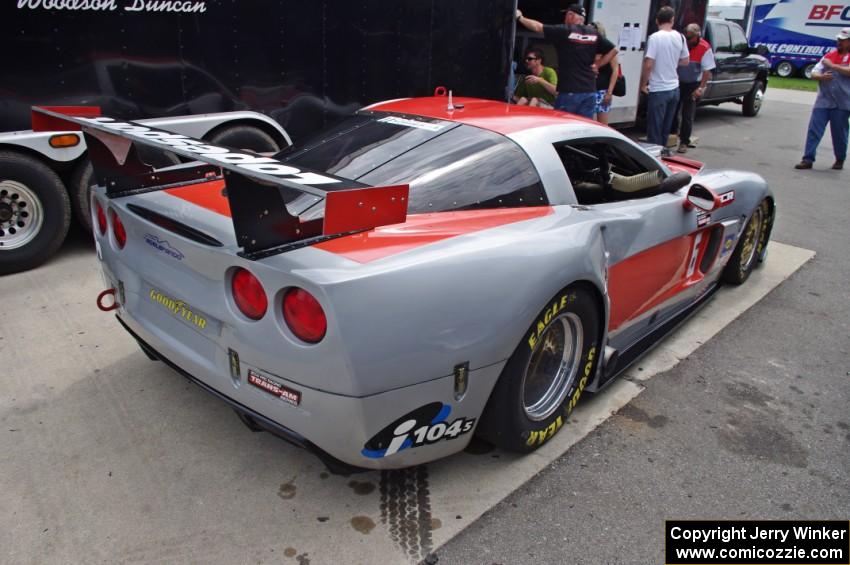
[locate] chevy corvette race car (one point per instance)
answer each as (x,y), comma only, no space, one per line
(418,273)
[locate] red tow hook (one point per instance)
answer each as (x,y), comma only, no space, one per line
(104,294)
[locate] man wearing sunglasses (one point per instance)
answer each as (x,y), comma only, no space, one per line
(577,46)
(538,87)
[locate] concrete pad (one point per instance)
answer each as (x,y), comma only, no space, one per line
(109,457)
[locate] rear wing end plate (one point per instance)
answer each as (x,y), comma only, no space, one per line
(258,187)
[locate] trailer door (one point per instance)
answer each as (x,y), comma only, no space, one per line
(625,22)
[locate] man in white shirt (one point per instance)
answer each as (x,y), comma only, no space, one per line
(666,49)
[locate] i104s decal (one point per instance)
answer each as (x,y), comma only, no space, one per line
(423,426)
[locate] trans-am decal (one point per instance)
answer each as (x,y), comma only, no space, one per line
(163,246)
(423,426)
(288,395)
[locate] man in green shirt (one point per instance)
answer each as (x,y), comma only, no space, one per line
(539,86)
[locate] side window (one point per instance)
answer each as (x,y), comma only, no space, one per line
(739,40)
(608,170)
(721,37)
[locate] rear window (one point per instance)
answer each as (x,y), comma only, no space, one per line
(448,166)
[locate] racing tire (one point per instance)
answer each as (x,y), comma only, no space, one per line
(546,374)
(785,69)
(35,212)
(245,137)
(752,246)
(807,71)
(81,182)
(753,100)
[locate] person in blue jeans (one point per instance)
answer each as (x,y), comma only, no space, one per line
(577,46)
(832,106)
(666,49)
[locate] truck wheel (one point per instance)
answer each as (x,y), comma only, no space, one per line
(753,99)
(245,137)
(785,69)
(807,70)
(35,212)
(82,181)
(544,378)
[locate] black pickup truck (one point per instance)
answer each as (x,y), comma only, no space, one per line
(741,73)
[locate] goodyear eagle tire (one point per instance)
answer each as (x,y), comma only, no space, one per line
(751,247)
(35,212)
(544,378)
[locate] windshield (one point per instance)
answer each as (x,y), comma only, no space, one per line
(449,166)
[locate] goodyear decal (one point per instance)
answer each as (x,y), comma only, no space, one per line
(557,305)
(539,437)
(426,425)
(178,308)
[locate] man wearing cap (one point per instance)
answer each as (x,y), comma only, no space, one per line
(832,105)
(577,46)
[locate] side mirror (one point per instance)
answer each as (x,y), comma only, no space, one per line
(674,182)
(702,198)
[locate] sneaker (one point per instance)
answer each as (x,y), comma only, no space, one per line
(838,165)
(672,140)
(803,165)
(693,142)
(683,148)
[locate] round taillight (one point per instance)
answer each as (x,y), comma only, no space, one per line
(304,315)
(118,230)
(248,294)
(101,217)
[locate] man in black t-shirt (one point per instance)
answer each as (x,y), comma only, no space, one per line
(577,46)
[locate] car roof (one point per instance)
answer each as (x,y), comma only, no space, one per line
(486,114)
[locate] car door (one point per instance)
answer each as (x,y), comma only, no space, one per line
(720,39)
(658,253)
(742,68)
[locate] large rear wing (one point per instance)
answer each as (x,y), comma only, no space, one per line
(258,187)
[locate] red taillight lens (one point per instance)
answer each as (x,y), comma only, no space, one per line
(304,315)
(249,295)
(101,217)
(118,230)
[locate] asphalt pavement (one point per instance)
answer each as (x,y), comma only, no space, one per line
(753,425)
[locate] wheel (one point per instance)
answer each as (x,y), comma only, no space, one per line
(35,212)
(546,374)
(81,182)
(752,245)
(785,69)
(245,137)
(753,99)
(807,70)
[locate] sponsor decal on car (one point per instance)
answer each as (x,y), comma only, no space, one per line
(163,246)
(727,198)
(728,244)
(424,426)
(703,219)
(286,394)
(178,308)
(247,161)
(395,120)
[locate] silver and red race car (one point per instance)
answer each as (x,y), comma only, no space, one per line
(418,273)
